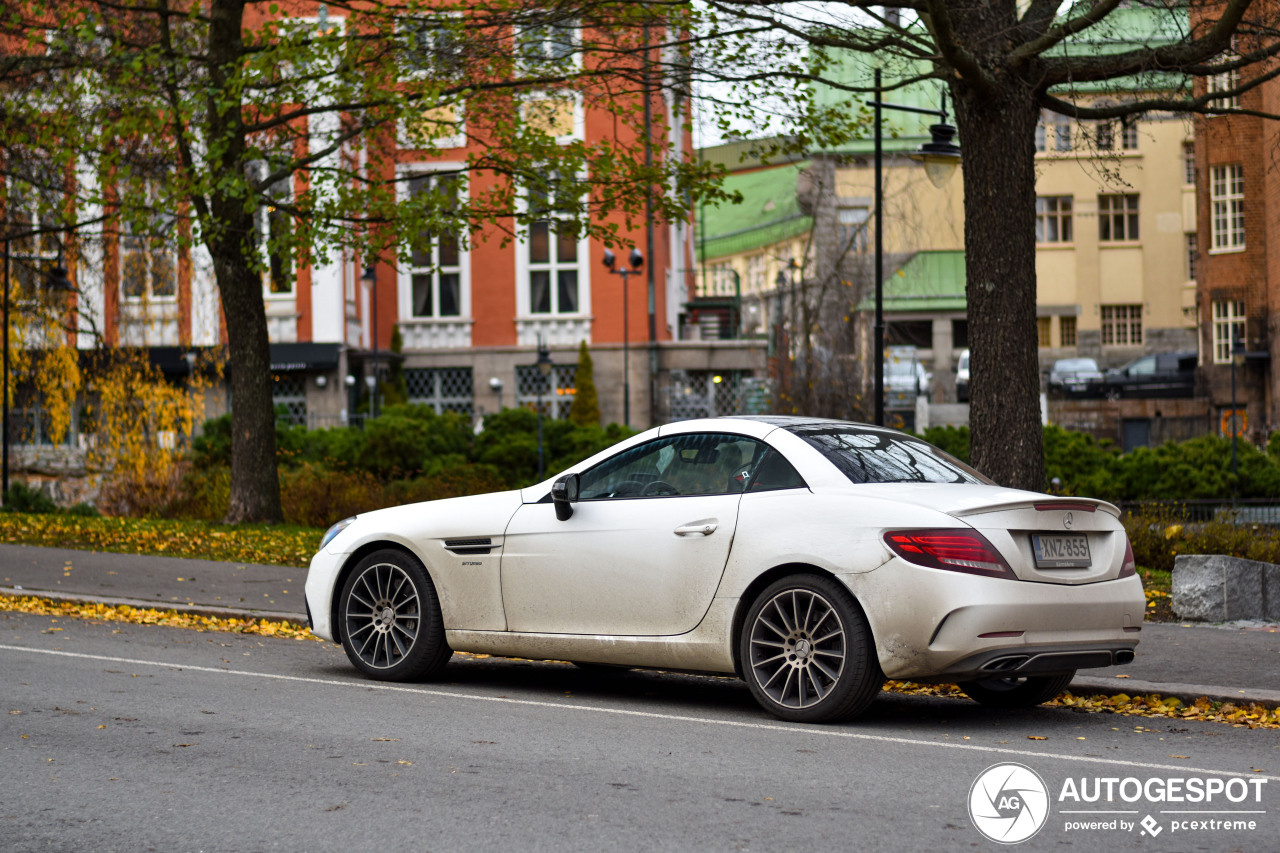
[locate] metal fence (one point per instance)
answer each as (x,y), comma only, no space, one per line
(1253,511)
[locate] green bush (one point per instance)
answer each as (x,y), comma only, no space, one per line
(23,498)
(1157,538)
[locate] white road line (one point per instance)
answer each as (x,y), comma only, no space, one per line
(817,731)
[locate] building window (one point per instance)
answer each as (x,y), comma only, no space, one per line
(1044,327)
(1129,134)
(1226,192)
(1189,163)
(1225,82)
(1118,218)
(754,282)
(148,261)
(1041,133)
(430,46)
(548,41)
(1053,219)
(289,396)
(1104,135)
(1193,255)
(556,390)
(275,233)
(1067,331)
(436,261)
(1122,325)
(1062,133)
(853,229)
(556,114)
(445,389)
(553,249)
(1228,327)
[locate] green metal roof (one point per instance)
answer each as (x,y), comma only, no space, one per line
(768,213)
(928,281)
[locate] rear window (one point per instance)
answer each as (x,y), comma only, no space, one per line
(871,456)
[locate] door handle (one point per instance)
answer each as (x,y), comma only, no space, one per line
(705,527)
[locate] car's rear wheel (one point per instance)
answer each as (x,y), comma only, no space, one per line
(390,617)
(1017,692)
(807,653)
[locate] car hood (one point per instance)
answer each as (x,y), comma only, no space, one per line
(967,499)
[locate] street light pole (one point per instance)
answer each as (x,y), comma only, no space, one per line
(370,277)
(544,368)
(637,261)
(940,156)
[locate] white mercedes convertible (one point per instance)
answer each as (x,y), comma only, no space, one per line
(812,558)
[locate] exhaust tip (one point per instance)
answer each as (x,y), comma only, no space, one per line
(1124,656)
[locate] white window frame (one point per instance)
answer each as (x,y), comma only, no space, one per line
(1225,82)
(522,34)
(405,269)
(1188,164)
(524,268)
(1192,254)
(149,296)
(402,29)
(262,222)
(1228,320)
(1226,209)
(579,114)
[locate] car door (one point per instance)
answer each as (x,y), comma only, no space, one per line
(643,552)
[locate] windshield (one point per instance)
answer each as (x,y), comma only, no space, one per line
(872,456)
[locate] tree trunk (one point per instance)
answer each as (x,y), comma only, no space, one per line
(997,135)
(255,483)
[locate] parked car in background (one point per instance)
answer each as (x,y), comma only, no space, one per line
(904,378)
(962,378)
(1075,377)
(1165,374)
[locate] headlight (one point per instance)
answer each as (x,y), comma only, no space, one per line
(334,531)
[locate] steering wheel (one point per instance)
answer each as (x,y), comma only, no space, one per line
(660,487)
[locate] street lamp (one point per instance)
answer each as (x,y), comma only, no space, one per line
(57,283)
(496,384)
(1237,359)
(637,262)
(370,277)
(544,367)
(940,156)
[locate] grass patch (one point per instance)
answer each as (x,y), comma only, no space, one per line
(271,544)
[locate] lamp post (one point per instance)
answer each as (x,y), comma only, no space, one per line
(370,277)
(496,384)
(941,156)
(637,262)
(544,367)
(1237,358)
(56,282)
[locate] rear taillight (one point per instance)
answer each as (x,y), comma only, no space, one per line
(1130,565)
(950,549)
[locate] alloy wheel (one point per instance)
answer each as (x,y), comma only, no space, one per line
(383,615)
(797,648)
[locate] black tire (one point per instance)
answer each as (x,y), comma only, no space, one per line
(1025,692)
(389,618)
(807,653)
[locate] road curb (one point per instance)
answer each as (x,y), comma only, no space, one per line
(1185,692)
(142,604)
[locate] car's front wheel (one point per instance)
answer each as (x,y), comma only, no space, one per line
(390,618)
(807,653)
(1017,692)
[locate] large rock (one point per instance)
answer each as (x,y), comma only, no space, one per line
(1218,588)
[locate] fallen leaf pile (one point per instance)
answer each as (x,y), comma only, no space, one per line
(148,616)
(277,545)
(1251,716)
(1155,596)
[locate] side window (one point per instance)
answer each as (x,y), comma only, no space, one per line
(774,472)
(686,465)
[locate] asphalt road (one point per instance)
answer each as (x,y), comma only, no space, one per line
(120,738)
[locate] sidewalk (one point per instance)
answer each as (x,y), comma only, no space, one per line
(1174,659)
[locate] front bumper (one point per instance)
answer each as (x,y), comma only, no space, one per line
(319,591)
(929,624)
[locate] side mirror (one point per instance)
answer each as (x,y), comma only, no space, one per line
(564,494)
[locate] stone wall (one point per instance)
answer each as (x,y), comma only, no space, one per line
(1218,588)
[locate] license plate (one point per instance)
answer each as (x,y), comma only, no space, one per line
(1061,550)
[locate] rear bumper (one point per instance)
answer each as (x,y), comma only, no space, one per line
(931,624)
